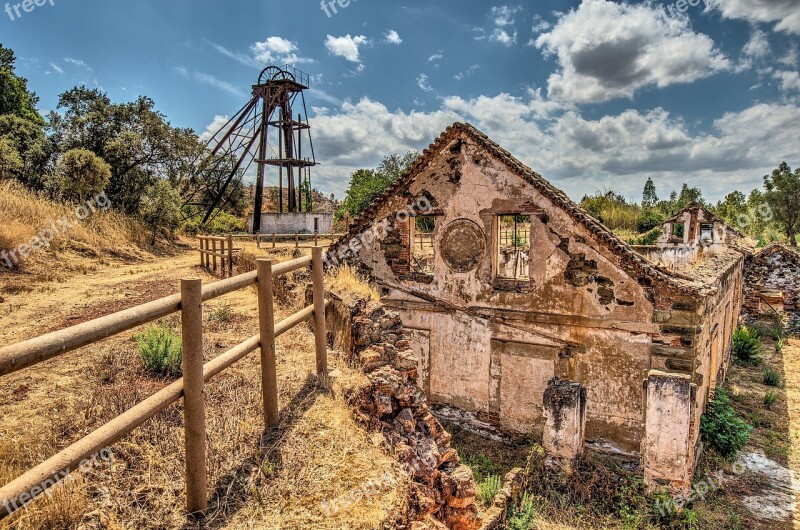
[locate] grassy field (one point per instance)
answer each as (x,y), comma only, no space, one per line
(280,479)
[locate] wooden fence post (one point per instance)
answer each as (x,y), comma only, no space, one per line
(274,240)
(320,333)
(193,405)
(208,257)
(258,241)
(230,255)
(214,256)
(266,326)
(297,240)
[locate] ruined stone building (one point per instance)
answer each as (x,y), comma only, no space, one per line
(694,235)
(772,285)
(531,317)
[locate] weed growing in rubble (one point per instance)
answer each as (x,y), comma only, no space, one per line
(488,489)
(747,346)
(523,516)
(160,349)
(723,428)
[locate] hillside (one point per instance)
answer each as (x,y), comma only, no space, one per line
(43,237)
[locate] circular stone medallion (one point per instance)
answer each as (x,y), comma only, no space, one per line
(463,245)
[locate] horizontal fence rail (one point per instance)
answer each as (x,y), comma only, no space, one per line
(38,480)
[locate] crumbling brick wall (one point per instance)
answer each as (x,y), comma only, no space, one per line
(442,489)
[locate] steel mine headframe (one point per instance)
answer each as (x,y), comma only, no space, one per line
(265,123)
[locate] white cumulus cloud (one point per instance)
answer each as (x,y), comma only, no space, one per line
(346,46)
(608,50)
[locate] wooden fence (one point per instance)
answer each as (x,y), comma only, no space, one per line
(212,248)
(296,237)
(189,302)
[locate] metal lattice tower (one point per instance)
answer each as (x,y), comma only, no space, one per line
(246,138)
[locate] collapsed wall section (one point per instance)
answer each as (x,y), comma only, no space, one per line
(395,407)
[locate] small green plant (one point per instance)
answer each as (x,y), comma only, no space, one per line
(723,428)
(523,516)
(747,346)
(770,398)
(488,488)
(161,350)
(221,313)
(772,377)
(780,343)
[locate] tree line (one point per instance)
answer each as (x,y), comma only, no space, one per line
(89,145)
(768,215)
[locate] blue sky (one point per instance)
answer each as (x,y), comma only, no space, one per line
(593,94)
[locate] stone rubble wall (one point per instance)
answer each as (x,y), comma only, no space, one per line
(775,271)
(443,491)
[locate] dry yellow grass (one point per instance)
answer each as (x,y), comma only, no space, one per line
(345,279)
(275,480)
(26,214)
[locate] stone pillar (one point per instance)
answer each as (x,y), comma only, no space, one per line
(564,421)
(667,445)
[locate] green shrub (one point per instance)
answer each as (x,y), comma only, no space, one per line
(772,377)
(647,239)
(747,345)
(221,223)
(161,350)
(650,219)
(780,344)
(523,516)
(770,398)
(722,428)
(488,488)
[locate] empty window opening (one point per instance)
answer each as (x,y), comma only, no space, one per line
(423,252)
(707,233)
(514,247)
(678,230)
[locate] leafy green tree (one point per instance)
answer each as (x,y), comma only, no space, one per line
(10,161)
(649,197)
(15,98)
(393,166)
(133,138)
(160,207)
(80,174)
(368,184)
(730,209)
(783,197)
(32,146)
(689,195)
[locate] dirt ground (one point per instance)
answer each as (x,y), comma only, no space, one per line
(279,479)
